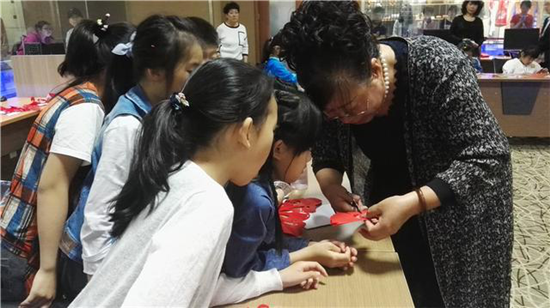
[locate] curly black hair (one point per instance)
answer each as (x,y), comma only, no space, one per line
(328,39)
(479,7)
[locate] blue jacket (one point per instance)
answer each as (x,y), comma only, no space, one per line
(251,245)
(276,69)
(132,103)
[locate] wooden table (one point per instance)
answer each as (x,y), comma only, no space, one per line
(377,280)
(36,75)
(520,103)
(14,131)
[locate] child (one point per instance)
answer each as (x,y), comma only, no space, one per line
(49,170)
(173,216)
(470,47)
(256,241)
(163,54)
(525,64)
(206,33)
(273,66)
(42,34)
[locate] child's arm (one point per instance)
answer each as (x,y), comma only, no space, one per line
(52,208)
(328,253)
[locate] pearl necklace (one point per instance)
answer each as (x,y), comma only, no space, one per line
(386,75)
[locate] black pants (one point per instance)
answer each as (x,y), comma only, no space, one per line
(70,279)
(416,260)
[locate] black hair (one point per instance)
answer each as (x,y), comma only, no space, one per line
(205,32)
(74,12)
(231,6)
(464,10)
(327,39)
(89,54)
(160,42)
(298,126)
(452,8)
(220,92)
(269,45)
(38,26)
(527,4)
(531,51)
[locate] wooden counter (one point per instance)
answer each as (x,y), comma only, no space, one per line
(377,280)
(36,75)
(520,103)
(14,131)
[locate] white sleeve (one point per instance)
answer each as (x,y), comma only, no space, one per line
(186,256)
(537,67)
(245,45)
(235,290)
(76,130)
(508,68)
(111,174)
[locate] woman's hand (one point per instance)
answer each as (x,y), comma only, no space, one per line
(340,199)
(43,290)
(388,216)
(305,274)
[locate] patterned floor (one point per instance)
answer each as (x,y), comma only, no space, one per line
(531,256)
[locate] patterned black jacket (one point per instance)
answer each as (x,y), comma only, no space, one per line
(450,134)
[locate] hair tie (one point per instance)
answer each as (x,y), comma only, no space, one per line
(101,27)
(178,102)
(125,49)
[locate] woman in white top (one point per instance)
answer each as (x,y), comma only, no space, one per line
(525,64)
(172,219)
(232,34)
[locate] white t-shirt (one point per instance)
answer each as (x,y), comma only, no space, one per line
(172,257)
(76,130)
(111,175)
(233,41)
(515,67)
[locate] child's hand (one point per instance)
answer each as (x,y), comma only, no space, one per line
(305,274)
(331,254)
(43,290)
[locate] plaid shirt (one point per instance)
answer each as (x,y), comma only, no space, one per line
(18,226)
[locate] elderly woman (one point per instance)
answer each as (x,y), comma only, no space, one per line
(406,121)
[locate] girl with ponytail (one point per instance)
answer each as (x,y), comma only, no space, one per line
(172,218)
(155,63)
(50,170)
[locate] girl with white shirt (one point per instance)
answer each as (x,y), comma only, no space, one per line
(50,170)
(525,64)
(172,219)
(232,34)
(163,54)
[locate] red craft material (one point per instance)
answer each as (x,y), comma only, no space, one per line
(348,217)
(294,213)
(35,104)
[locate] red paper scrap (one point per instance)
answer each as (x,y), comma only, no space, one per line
(294,213)
(342,218)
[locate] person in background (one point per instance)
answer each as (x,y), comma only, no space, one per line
(523,20)
(4,38)
(42,33)
(447,21)
(525,64)
(544,40)
(75,17)
(208,37)
(378,28)
(468,47)
(172,219)
(54,160)
(272,62)
(403,26)
(468,25)
(428,22)
(232,34)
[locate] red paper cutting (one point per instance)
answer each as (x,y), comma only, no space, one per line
(348,217)
(294,213)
